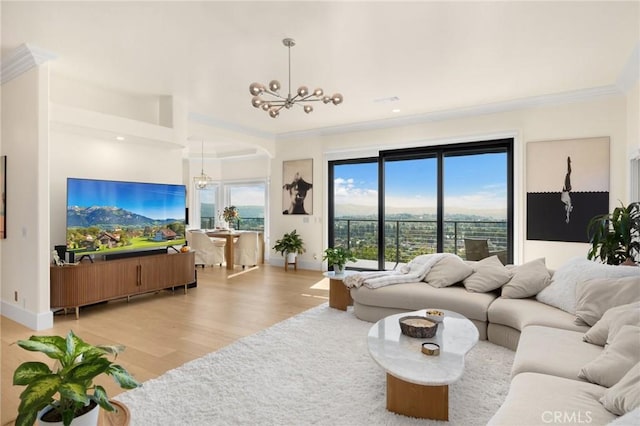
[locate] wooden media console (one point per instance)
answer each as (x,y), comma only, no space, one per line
(88,283)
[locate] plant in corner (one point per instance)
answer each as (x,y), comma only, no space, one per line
(77,364)
(615,236)
(290,245)
(338,257)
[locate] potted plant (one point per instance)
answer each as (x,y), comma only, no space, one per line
(231,215)
(63,394)
(338,257)
(290,246)
(615,236)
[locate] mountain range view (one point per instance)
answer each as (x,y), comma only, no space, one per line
(355,211)
(101,216)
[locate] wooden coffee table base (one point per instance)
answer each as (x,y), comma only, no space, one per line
(424,402)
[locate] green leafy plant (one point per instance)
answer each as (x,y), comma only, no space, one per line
(615,236)
(78,363)
(290,243)
(338,256)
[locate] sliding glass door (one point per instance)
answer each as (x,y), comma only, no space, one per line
(410,187)
(408,202)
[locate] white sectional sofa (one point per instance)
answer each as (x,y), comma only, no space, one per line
(547,386)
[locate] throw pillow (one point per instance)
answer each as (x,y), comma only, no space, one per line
(615,360)
(528,280)
(605,330)
(561,293)
(595,297)
(489,274)
(447,271)
(624,396)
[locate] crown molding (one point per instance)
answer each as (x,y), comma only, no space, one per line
(491,108)
(22,59)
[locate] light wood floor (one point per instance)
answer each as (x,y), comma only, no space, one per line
(164,330)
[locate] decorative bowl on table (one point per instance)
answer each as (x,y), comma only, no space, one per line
(434,315)
(416,326)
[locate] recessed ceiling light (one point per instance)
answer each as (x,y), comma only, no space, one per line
(119,138)
(386,100)
(395,110)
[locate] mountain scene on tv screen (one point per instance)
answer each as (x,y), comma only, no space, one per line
(100,228)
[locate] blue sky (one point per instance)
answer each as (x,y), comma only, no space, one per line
(156,201)
(477,181)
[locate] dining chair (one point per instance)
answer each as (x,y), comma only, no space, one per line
(209,251)
(246,249)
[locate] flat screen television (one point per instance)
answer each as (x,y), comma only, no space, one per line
(105,216)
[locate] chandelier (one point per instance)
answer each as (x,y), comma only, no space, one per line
(202,181)
(277,101)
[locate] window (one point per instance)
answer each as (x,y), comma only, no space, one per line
(208,206)
(422,200)
(249,198)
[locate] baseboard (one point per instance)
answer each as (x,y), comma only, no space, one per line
(41,321)
(302,264)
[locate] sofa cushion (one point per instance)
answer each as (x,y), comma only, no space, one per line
(449,270)
(595,297)
(616,359)
(611,322)
(414,296)
(561,293)
(553,351)
(528,280)
(539,399)
(624,396)
(488,274)
(519,313)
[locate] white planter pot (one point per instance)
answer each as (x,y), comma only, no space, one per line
(90,418)
(291,257)
(338,270)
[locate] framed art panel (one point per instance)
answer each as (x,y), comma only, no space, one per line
(567,184)
(297,177)
(3,201)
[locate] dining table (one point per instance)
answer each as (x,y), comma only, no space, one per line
(230,236)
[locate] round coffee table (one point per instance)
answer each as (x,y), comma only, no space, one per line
(417,384)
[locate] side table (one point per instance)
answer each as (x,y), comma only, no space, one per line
(339,295)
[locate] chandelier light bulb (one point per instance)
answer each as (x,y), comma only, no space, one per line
(256,88)
(274,102)
(256,101)
(274,85)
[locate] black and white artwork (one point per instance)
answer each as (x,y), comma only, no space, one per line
(297,177)
(567,184)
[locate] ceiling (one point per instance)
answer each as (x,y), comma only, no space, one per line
(428,56)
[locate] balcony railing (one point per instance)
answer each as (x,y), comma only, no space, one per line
(244,223)
(406,239)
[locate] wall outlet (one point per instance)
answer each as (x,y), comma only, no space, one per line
(315,256)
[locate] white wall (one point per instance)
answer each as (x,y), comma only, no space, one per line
(605,116)
(88,96)
(25,254)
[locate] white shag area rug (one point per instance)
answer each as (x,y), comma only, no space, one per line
(313,368)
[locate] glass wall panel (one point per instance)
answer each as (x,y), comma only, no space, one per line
(475,203)
(354,195)
(410,209)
